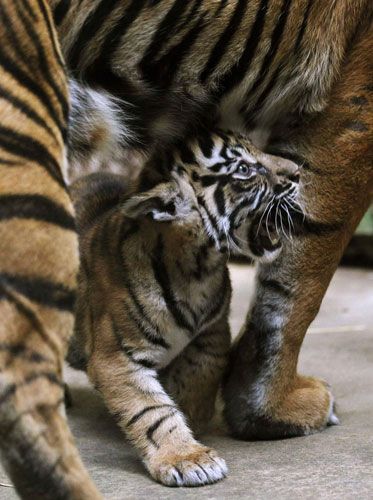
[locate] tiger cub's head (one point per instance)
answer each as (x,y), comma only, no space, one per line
(222,185)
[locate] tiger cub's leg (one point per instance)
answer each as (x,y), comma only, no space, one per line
(148,416)
(193,378)
(265,398)
(38,260)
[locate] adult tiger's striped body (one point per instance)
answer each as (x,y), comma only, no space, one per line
(260,66)
(248,64)
(37,281)
(154,291)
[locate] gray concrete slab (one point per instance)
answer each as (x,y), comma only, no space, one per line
(336,464)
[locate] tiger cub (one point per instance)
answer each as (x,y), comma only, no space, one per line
(152,310)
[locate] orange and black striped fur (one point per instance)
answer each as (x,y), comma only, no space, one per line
(253,66)
(260,66)
(152,310)
(38,259)
(294,75)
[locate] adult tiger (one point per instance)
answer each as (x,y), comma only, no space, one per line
(37,282)
(260,66)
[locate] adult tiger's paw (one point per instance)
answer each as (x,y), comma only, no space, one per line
(198,467)
(308,409)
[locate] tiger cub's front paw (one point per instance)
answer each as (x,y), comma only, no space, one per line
(197,467)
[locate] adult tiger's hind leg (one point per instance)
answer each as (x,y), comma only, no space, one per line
(38,260)
(265,398)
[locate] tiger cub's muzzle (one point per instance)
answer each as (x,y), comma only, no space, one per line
(275,222)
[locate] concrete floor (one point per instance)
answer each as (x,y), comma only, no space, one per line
(336,464)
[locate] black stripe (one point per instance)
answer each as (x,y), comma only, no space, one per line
(27,7)
(225,39)
(191,16)
(201,260)
(164,33)
(220,200)
(186,154)
(318,228)
(211,218)
(219,301)
(60,11)
(94,22)
(276,286)
(260,102)
(20,350)
(31,470)
(161,275)
(24,80)
(25,109)
(130,351)
(208,180)
(150,337)
(223,3)
(192,362)
(127,229)
(30,315)
(303,27)
(30,149)
(138,415)
(206,143)
(235,74)
(275,44)
(40,408)
(152,429)
(244,203)
(162,72)
(53,40)
(139,308)
(43,57)
(51,377)
(10,390)
(40,290)
(114,37)
(10,163)
(202,349)
(33,206)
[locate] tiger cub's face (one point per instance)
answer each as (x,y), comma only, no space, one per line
(239,194)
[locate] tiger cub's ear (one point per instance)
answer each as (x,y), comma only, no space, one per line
(162,203)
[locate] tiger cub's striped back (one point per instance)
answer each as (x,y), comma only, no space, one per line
(152,310)
(38,259)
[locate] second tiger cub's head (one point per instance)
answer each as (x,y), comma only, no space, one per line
(222,181)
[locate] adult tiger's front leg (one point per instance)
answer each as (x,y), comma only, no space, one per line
(265,398)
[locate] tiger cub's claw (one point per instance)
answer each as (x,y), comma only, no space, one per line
(198,468)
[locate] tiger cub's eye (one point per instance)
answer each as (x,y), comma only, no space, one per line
(243,169)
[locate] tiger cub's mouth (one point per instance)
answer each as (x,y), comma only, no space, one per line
(281,218)
(266,235)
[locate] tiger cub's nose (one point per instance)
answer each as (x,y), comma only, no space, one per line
(295,177)
(281,188)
